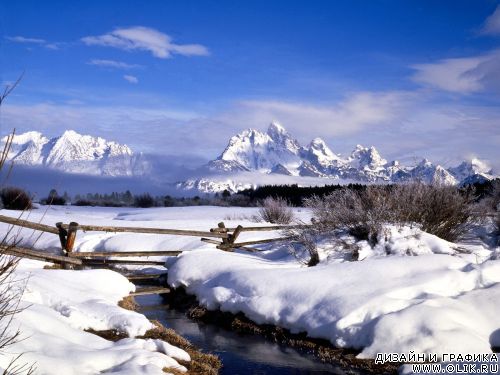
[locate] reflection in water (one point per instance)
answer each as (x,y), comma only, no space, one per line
(241,354)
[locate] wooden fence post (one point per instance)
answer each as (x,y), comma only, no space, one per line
(225,241)
(67,239)
(71,237)
(232,237)
(62,235)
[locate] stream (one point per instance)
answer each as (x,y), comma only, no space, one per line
(241,354)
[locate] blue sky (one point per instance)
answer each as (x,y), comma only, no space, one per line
(413,78)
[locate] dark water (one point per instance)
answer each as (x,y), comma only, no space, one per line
(241,354)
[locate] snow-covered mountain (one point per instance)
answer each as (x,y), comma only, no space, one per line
(276,152)
(75,153)
(251,158)
(254,150)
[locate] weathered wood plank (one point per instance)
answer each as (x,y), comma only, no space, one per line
(100,262)
(261,229)
(28,224)
(208,240)
(256,242)
(71,237)
(119,254)
(38,255)
(150,290)
(145,276)
(178,232)
(235,234)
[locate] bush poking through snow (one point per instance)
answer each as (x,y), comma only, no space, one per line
(360,213)
(276,211)
(439,210)
(15,199)
(306,237)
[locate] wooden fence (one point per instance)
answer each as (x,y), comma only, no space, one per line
(224,239)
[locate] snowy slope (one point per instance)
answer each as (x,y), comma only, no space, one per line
(75,153)
(59,305)
(413,291)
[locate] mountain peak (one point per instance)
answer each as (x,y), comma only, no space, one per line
(366,158)
(275,128)
(70,134)
(75,153)
(31,136)
(277,152)
(471,167)
(318,143)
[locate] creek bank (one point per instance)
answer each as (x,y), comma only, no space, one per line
(200,363)
(321,349)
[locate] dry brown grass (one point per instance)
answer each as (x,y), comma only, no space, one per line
(128,303)
(53,267)
(200,364)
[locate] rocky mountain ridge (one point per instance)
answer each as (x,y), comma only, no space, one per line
(276,152)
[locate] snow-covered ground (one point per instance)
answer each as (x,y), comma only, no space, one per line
(413,291)
(58,305)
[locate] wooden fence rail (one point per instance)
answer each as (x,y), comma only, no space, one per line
(260,229)
(176,232)
(39,255)
(224,239)
(119,254)
(28,224)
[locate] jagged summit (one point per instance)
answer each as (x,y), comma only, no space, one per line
(256,150)
(277,152)
(76,153)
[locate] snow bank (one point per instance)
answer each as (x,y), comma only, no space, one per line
(390,301)
(429,303)
(59,305)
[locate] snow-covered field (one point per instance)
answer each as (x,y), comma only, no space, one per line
(413,291)
(58,305)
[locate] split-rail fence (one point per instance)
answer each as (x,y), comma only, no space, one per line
(224,238)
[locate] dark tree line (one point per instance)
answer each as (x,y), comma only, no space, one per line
(15,198)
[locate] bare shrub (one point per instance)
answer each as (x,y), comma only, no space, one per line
(439,210)
(360,213)
(15,199)
(307,238)
(276,211)
(10,294)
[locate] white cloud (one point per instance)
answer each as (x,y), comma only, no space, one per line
(146,39)
(351,115)
(22,39)
(402,125)
(113,64)
(131,79)
(41,42)
(463,75)
(492,24)
(53,46)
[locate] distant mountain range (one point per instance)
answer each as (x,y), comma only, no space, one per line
(276,152)
(251,158)
(75,153)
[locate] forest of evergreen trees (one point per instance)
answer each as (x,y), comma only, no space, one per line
(293,194)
